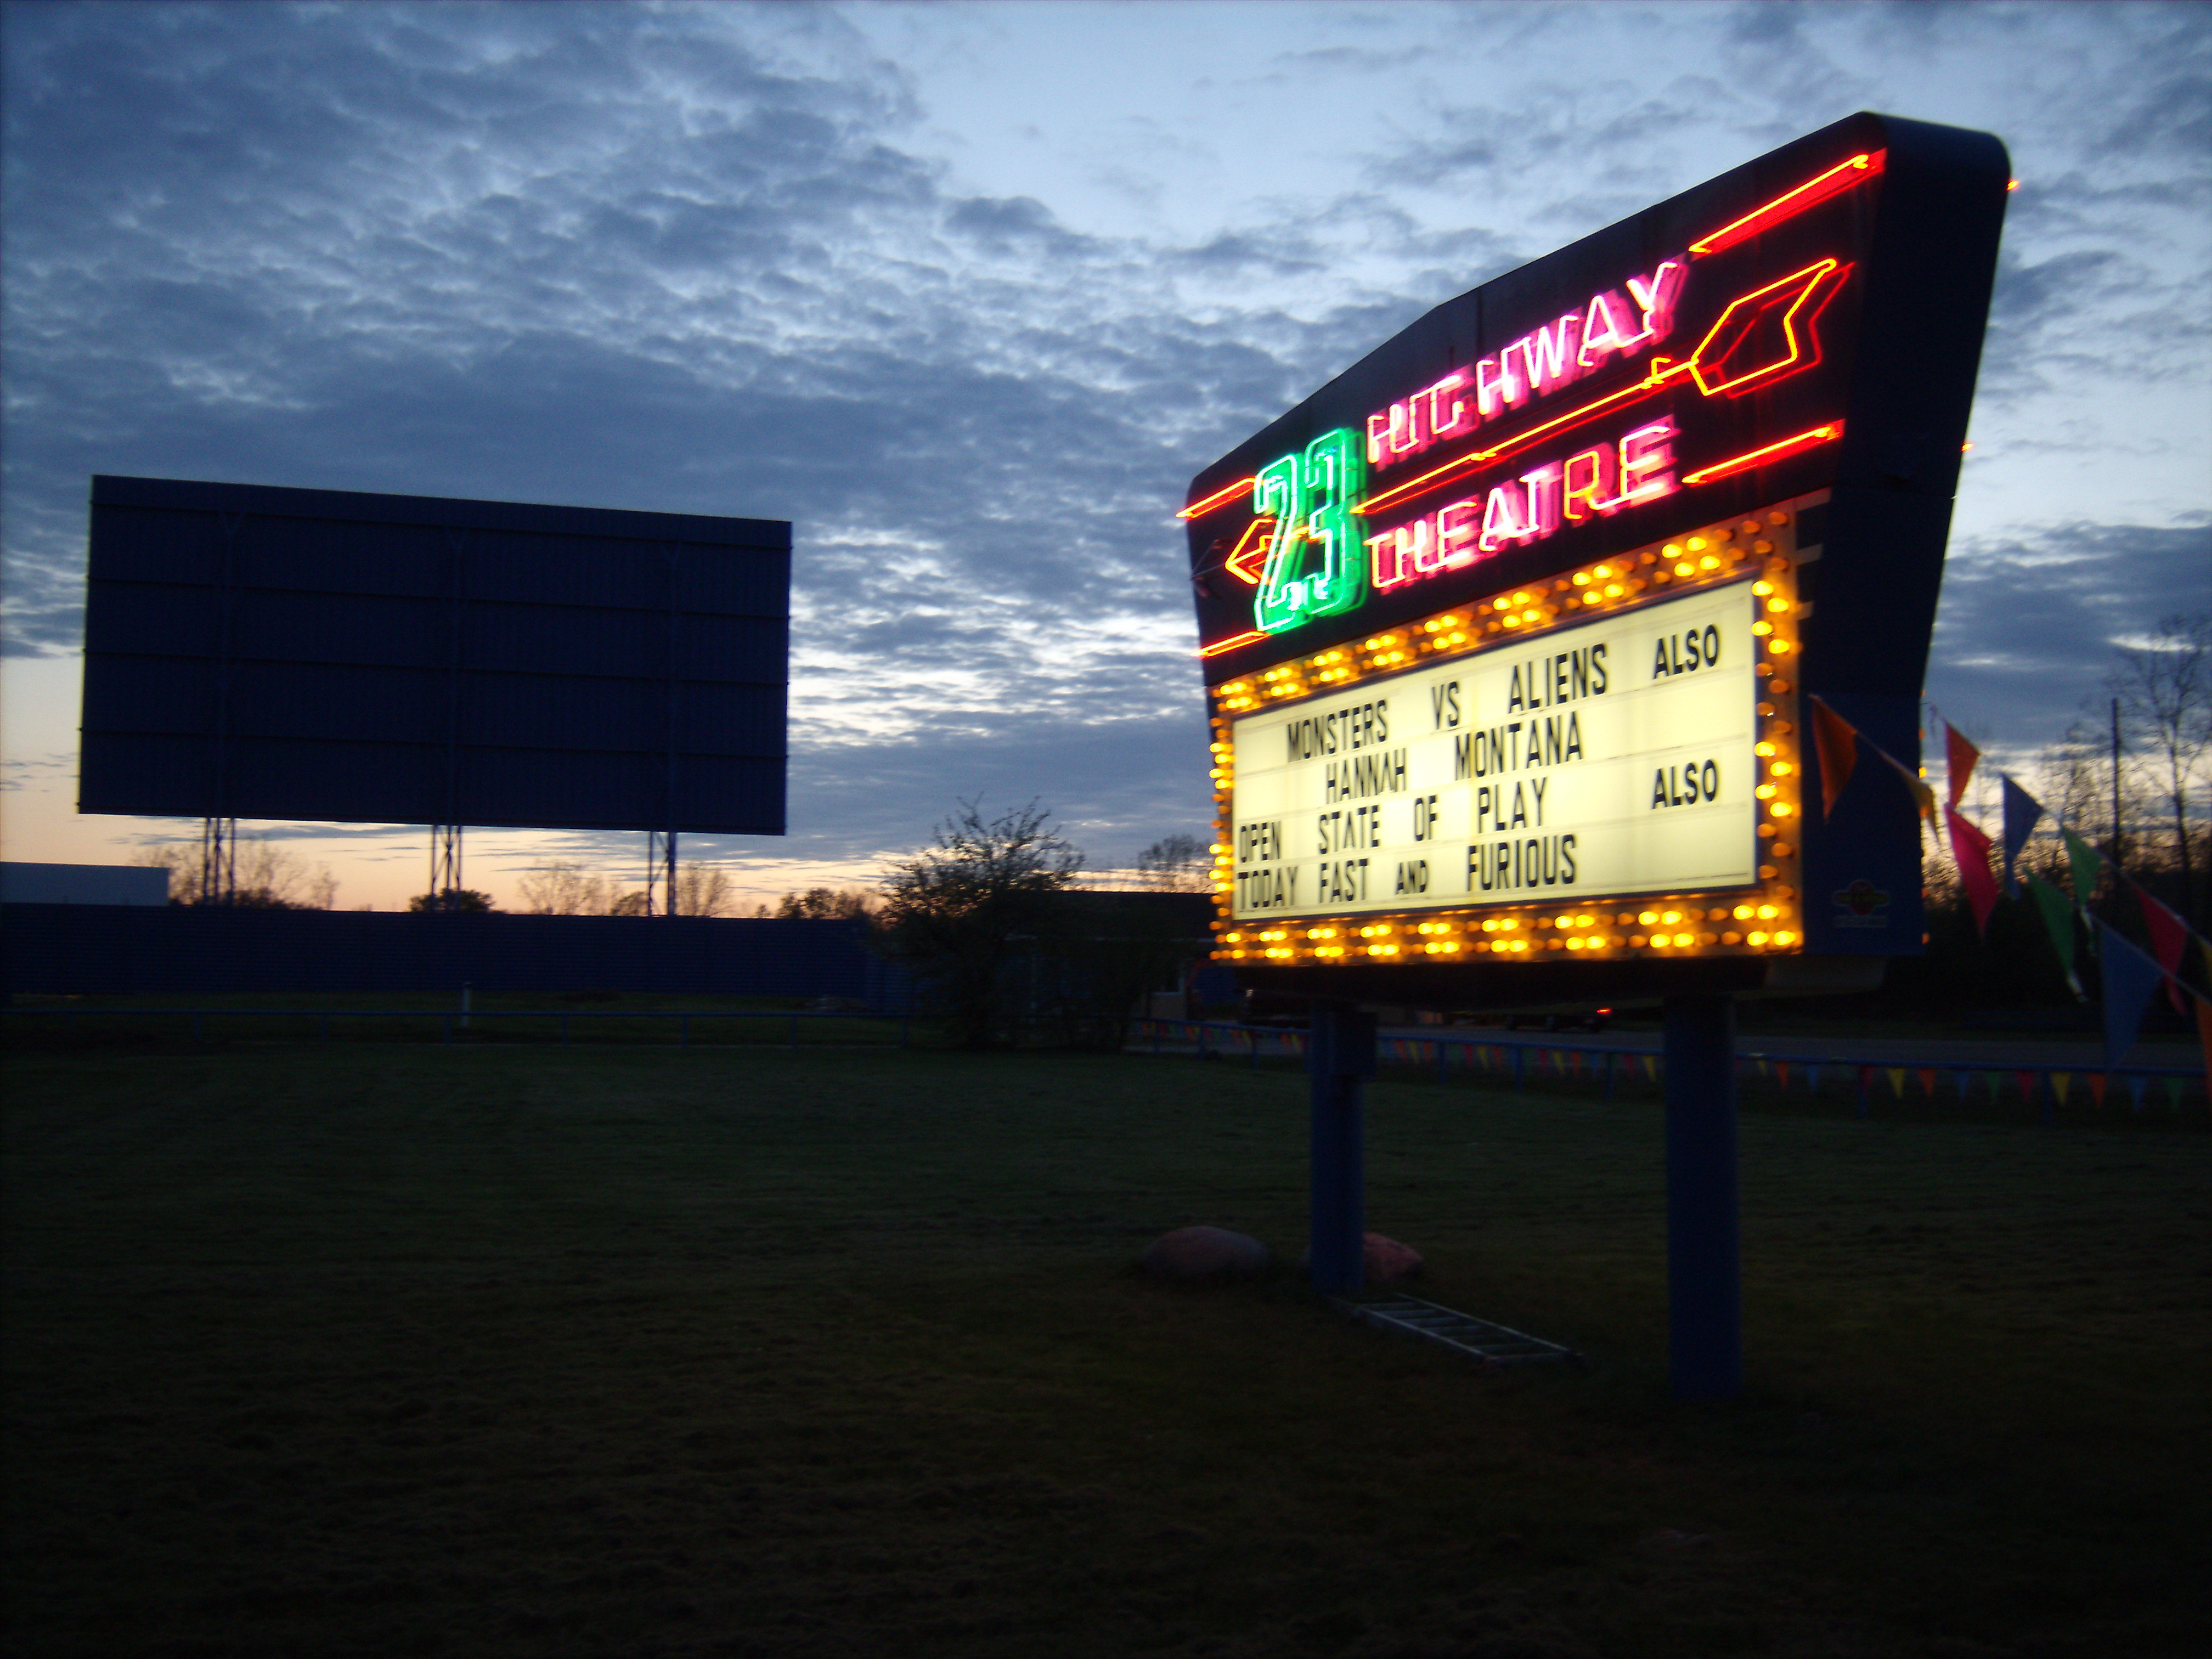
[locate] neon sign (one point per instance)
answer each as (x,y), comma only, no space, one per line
(1515,512)
(1758,339)
(1533,367)
(1310,496)
(1593,501)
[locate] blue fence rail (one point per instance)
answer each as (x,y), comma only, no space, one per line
(458,1018)
(182,952)
(2043,1084)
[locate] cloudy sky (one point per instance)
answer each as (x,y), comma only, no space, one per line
(968,292)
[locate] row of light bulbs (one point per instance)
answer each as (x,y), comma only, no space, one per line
(1719,551)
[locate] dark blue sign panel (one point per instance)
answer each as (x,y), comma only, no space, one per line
(261,652)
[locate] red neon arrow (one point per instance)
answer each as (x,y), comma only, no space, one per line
(1249,559)
(1220,498)
(1746,329)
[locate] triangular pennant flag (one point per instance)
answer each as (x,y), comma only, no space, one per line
(2083,860)
(1836,740)
(1897,1081)
(1964,1083)
(2169,936)
(2060,1083)
(2130,978)
(2137,1084)
(1913,781)
(1650,1067)
(1958,758)
(2027,1081)
(1928,1080)
(1813,1078)
(1996,1080)
(1970,848)
(2057,913)
(2097,1081)
(1782,1073)
(2021,811)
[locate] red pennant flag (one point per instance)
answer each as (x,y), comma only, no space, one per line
(2097,1081)
(1782,1072)
(1970,848)
(1958,758)
(1928,1080)
(1837,741)
(2026,1086)
(2169,936)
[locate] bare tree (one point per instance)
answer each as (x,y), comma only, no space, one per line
(2165,693)
(960,907)
(702,889)
(1177,864)
(268,876)
(562,888)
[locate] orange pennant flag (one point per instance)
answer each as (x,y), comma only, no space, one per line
(2097,1081)
(1837,742)
(1928,1080)
(1958,758)
(1913,781)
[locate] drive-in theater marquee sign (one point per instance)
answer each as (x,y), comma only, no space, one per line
(1510,630)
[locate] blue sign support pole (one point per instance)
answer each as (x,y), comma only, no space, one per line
(1704,1301)
(1339,1057)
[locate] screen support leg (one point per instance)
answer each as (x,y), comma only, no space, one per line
(1339,1057)
(218,861)
(1704,1313)
(445,862)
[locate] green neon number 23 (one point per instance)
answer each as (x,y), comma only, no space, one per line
(1313,565)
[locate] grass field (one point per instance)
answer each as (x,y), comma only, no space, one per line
(397,1350)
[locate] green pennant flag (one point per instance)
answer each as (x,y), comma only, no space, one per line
(2083,858)
(2057,913)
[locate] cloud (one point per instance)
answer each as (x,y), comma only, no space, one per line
(2030,622)
(706,260)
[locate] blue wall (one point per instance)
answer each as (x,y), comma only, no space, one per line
(100,949)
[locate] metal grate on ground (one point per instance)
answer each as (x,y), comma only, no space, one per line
(1481,1339)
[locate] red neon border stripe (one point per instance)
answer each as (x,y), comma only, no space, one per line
(1231,642)
(1826,433)
(1841,177)
(1199,508)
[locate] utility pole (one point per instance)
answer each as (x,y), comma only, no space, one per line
(2118,839)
